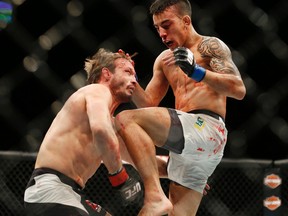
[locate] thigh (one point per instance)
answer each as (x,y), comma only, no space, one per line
(185,201)
(155,121)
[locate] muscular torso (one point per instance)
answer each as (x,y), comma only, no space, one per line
(67,146)
(191,95)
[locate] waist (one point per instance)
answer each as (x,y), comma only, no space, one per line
(63,178)
(207,112)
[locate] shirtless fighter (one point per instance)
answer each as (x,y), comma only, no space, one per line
(81,137)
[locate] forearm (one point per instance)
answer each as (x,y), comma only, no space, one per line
(224,80)
(140,98)
(108,146)
(226,84)
(152,95)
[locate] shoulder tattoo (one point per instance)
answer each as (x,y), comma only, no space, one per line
(219,55)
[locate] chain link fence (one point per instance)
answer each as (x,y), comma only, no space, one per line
(238,188)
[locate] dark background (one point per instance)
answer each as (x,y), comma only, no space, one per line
(42,53)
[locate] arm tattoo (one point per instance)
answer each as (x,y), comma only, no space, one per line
(219,55)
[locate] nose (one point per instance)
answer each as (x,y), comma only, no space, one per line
(162,33)
(134,81)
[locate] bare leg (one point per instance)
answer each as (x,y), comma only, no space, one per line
(142,151)
(162,166)
(161,159)
(185,201)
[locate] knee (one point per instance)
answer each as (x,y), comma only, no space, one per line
(122,120)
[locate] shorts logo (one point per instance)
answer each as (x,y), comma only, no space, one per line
(272,203)
(132,192)
(199,123)
(272,181)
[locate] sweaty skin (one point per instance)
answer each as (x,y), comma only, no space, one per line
(222,80)
(82,134)
(211,88)
(222,77)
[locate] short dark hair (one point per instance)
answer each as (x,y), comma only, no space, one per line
(183,6)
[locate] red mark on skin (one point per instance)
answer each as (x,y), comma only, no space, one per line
(120,51)
(188,79)
(121,124)
(197,84)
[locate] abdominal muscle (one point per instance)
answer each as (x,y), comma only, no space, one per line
(191,95)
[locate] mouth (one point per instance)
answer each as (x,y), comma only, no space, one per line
(131,89)
(168,43)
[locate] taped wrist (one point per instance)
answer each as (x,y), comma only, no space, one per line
(118,178)
(198,73)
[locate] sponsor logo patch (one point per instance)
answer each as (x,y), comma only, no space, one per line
(199,123)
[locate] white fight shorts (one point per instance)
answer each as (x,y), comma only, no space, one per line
(205,137)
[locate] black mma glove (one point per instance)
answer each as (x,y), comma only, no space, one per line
(127,188)
(185,60)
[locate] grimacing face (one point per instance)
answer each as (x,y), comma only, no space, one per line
(170,27)
(123,81)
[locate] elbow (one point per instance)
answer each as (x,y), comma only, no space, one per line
(239,89)
(241,92)
(101,129)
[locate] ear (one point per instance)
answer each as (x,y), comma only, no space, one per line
(106,74)
(187,20)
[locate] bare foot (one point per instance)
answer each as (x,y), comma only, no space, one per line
(156,208)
